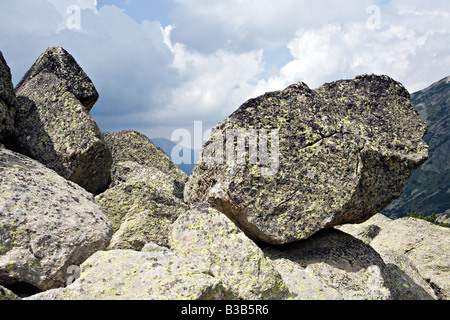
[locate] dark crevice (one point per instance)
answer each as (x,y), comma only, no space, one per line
(23,289)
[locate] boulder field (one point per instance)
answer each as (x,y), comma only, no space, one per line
(283,204)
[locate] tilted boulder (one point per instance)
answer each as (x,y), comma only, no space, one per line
(332,265)
(307,159)
(47,224)
(146,193)
(153,274)
(207,235)
(8,100)
(53,125)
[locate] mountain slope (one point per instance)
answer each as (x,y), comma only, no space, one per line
(428,189)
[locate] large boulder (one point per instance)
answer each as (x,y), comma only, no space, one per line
(310,159)
(332,265)
(207,235)
(416,246)
(153,274)
(53,125)
(8,100)
(146,191)
(47,224)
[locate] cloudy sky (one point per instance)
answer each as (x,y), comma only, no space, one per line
(160,65)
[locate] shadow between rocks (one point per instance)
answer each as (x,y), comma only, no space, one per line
(345,252)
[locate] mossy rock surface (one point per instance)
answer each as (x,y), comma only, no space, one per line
(53,125)
(344,151)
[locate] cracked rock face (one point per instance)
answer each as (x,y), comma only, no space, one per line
(321,158)
(53,125)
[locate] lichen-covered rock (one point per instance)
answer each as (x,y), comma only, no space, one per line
(206,235)
(133,146)
(334,265)
(312,158)
(426,246)
(417,247)
(46,224)
(7,100)
(53,125)
(142,205)
(154,274)
(57,61)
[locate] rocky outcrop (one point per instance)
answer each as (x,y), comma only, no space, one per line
(46,224)
(418,247)
(332,265)
(310,159)
(315,159)
(208,236)
(146,193)
(7,101)
(53,125)
(153,274)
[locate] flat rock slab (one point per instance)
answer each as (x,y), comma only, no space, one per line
(153,274)
(47,224)
(304,159)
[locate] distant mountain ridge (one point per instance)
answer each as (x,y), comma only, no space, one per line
(427,191)
(167,146)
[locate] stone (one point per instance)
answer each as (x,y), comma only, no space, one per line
(146,192)
(58,62)
(332,265)
(207,235)
(306,160)
(8,100)
(142,205)
(426,246)
(47,224)
(416,246)
(130,145)
(153,274)
(53,125)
